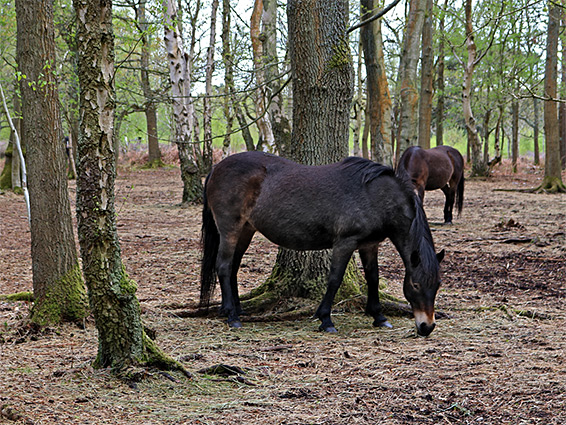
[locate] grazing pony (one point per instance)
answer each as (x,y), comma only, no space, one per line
(350,205)
(442,168)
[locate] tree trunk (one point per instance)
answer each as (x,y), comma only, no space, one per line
(183,109)
(266,138)
(378,96)
(227,59)
(112,294)
(536,131)
(207,107)
(358,104)
(479,167)
(154,153)
(58,287)
(427,71)
(440,85)
(409,99)
(514,134)
(562,105)
(552,181)
(322,76)
(280,123)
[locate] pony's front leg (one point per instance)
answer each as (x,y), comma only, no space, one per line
(371,271)
(340,257)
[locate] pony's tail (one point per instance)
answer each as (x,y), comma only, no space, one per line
(460,194)
(210,241)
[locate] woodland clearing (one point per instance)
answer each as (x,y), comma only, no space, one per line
(498,357)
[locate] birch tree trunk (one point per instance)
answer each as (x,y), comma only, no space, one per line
(183,109)
(121,339)
(58,287)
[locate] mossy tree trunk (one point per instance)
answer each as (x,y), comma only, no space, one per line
(58,286)
(322,76)
(112,294)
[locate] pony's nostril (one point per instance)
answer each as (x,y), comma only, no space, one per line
(425,329)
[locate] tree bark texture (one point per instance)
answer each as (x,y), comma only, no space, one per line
(183,109)
(207,107)
(562,106)
(514,134)
(378,97)
(111,292)
(322,76)
(266,139)
(552,169)
(536,130)
(407,131)
(227,59)
(427,77)
(440,85)
(58,286)
(280,122)
(479,167)
(154,153)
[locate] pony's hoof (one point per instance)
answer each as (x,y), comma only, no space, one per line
(329,329)
(236,324)
(383,324)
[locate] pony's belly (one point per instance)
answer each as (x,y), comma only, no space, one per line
(299,238)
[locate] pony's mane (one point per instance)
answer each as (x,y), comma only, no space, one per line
(422,237)
(366,169)
(422,241)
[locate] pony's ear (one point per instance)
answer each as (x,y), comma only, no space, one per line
(440,256)
(415,259)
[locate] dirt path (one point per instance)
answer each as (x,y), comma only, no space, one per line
(500,357)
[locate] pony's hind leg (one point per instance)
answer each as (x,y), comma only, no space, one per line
(224,270)
(371,271)
(450,195)
(241,247)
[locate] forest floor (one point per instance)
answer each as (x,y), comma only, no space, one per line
(499,356)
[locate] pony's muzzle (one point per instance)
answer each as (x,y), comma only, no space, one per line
(424,322)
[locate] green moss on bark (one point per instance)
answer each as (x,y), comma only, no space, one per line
(64,300)
(279,290)
(6,176)
(18,296)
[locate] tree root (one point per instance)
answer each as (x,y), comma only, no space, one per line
(550,185)
(18,296)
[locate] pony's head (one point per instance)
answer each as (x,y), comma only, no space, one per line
(422,277)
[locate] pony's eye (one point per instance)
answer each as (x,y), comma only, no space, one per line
(417,286)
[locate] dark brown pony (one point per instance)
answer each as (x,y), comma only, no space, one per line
(441,168)
(351,205)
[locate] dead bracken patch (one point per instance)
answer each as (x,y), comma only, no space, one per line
(497,356)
